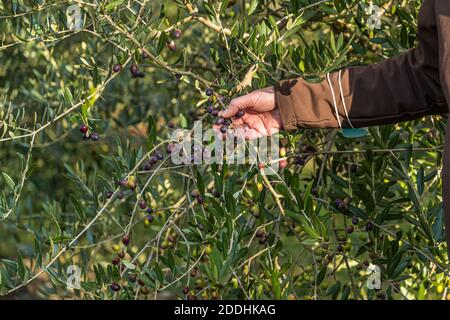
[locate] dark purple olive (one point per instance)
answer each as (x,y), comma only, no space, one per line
(153,160)
(260,233)
(342,206)
(192,297)
(176,33)
(117,67)
(147,166)
(94,136)
(239,114)
(134,69)
(123,182)
(300,161)
(83,128)
(170,148)
(142,204)
(220,121)
(262,240)
(115,287)
(132,277)
(139,74)
(159,155)
(195,193)
(126,239)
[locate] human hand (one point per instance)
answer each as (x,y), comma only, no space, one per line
(254,114)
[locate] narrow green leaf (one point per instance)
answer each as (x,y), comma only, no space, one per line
(112,5)
(20,267)
(162,42)
(129,265)
(252,7)
(420,180)
(9,181)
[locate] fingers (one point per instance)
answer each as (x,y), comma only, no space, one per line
(257,101)
(238,122)
(254,124)
(239,103)
(244,132)
(233,107)
(240,131)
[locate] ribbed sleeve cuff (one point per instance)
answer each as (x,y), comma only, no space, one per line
(285,104)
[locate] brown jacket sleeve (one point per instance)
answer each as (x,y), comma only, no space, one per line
(406,87)
(398,89)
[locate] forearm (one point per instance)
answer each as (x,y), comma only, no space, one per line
(398,89)
(402,88)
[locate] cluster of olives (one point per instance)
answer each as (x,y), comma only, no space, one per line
(157,156)
(87,134)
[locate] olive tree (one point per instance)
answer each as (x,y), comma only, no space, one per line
(93,207)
